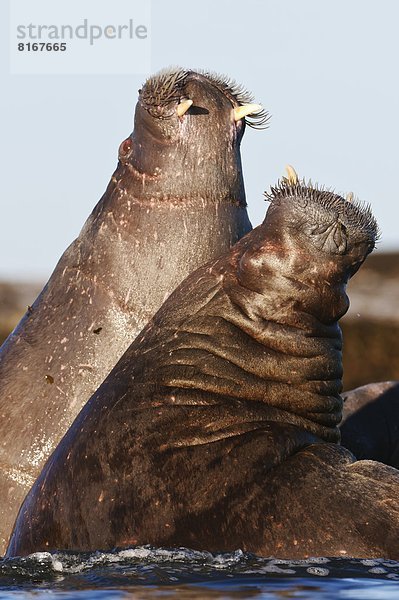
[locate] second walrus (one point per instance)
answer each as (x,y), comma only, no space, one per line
(218,428)
(175,201)
(370,425)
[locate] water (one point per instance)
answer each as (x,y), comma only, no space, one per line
(145,572)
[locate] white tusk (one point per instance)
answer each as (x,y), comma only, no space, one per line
(246,109)
(349,197)
(292,176)
(183,107)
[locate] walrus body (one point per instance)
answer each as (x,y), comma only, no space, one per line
(218,428)
(370,423)
(175,200)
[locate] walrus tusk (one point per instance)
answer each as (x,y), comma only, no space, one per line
(349,197)
(183,107)
(292,176)
(246,109)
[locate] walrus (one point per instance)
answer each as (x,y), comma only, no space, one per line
(218,427)
(370,423)
(175,201)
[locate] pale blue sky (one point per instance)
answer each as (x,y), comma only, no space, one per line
(326,70)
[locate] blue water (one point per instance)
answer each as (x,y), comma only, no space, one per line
(145,572)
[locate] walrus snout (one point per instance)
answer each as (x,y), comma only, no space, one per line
(324,221)
(175,92)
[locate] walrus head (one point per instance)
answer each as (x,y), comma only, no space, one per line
(315,236)
(187,131)
(332,224)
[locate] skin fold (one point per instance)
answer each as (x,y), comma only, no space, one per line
(175,201)
(218,427)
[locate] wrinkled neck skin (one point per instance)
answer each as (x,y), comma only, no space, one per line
(265,334)
(292,296)
(193,164)
(292,311)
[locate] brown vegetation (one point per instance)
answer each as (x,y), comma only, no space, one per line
(14,301)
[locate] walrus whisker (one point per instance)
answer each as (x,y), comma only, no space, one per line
(357,214)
